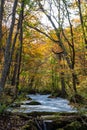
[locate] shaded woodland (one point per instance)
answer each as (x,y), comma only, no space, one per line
(39,56)
(43,49)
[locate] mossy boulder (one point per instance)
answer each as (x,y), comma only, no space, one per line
(30,126)
(26,127)
(22,97)
(76,125)
(28,98)
(15,105)
(33,103)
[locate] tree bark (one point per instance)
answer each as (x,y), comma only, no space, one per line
(6,66)
(63,88)
(82,22)
(21,45)
(13,81)
(72,50)
(1,18)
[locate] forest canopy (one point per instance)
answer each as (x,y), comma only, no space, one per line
(43,46)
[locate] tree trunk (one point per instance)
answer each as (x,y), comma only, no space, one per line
(53,84)
(1,18)
(21,45)
(63,88)
(74,80)
(82,22)
(7,63)
(31,82)
(13,81)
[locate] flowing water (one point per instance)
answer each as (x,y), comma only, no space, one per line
(47,105)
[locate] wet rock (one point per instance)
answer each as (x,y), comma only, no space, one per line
(15,105)
(60,121)
(65,121)
(51,96)
(28,98)
(33,103)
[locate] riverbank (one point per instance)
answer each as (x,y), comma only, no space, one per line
(43,121)
(63,117)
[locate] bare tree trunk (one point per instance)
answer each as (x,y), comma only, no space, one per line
(60,43)
(53,84)
(31,82)
(21,45)
(62,78)
(63,89)
(74,80)
(82,22)
(72,50)
(84,33)
(1,18)
(7,63)
(13,80)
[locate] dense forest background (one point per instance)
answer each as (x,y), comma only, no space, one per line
(43,47)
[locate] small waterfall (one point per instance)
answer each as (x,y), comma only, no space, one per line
(44,125)
(47,125)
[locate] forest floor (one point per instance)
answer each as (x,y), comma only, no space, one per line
(12,122)
(34,120)
(63,121)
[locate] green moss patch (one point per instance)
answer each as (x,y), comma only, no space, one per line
(33,103)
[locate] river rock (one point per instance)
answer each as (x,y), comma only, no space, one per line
(15,105)
(28,98)
(33,103)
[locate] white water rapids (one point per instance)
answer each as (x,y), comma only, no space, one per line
(47,105)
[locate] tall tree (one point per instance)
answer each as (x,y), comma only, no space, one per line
(79,3)
(1,18)
(71,46)
(21,44)
(58,18)
(7,60)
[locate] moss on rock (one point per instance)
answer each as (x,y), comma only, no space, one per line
(30,126)
(76,125)
(33,103)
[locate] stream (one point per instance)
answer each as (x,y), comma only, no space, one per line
(47,105)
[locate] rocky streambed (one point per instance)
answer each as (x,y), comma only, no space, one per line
(42,103)
(43,121)
(39,112)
